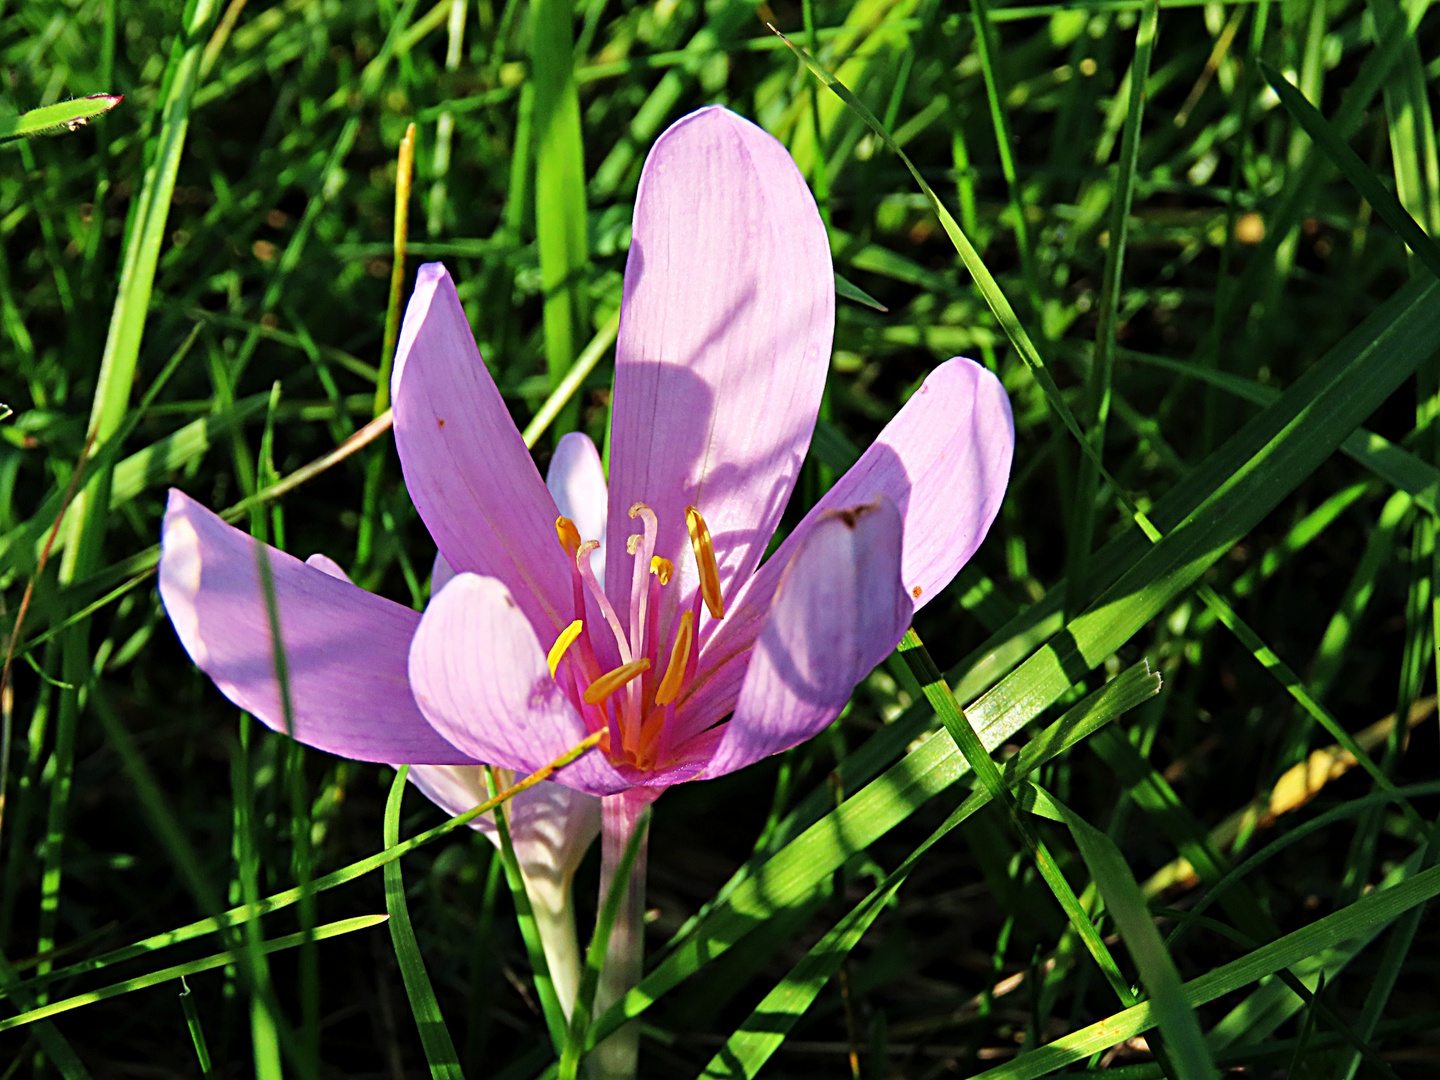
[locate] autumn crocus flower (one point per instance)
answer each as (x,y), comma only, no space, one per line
(693,658)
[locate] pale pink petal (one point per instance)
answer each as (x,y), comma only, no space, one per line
(725,333)
(551,825)
(839,610)
(327,565)
(944,461)
(577,483)
(466,467)
(480,677)
(345,649)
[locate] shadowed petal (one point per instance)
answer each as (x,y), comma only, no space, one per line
(466,467)
(440,574)
(838,612)
(577,483)
(480,677)
(725,332)
(944,461)
(345,648)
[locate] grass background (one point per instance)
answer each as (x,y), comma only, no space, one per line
(1297,589)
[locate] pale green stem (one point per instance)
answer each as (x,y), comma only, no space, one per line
(617,1057)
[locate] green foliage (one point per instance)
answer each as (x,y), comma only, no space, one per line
(1196,242)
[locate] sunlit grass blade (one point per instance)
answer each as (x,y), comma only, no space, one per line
(1099,384)
(942,699)
(89,511)
(1330,140)
(1184,1043)
(177,971)
(756,1040)
(288,897)
(62,116)
(1375,910)
(434,1035)
(560,231)
(197,1031)
(792,875)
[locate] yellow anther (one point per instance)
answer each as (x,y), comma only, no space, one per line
(613,680)
(662,568)
(636,508)
(679,656)
(705,562)
(569,535)
(632,542)
(562,643)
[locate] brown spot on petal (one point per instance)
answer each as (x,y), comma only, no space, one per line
(440,421)
(851,515)
(915,592)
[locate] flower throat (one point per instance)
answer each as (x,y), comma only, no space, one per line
(635,700)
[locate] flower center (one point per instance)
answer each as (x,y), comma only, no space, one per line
(635,701)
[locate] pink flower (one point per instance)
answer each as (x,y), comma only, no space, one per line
(697,658)
(725,334)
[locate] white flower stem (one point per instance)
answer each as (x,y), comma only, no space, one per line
(617,1057)
(555,921)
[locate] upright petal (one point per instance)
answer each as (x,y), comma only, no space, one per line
(838,612)
(480,677)
(944,461)
(577,483)
(725,333)
(345,649)
(466,467)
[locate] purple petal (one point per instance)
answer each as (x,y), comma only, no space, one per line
(345,648)
(838,612)
(466,467)
(480,677)
(577,483)
(551,825)
(725,332)
(944,461)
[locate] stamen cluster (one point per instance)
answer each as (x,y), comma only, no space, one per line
(629,702)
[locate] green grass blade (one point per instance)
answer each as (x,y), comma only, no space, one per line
(756,1040)
(1184,1044)
(1099,385)
(1328,138)
(1375,910)
(792,875)
(277,901)
(197,1031)
(559,189)
(62,116)
(177,971)
(434,1035)
(942,699)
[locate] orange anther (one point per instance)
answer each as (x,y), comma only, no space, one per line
(613,680)
(704,550)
